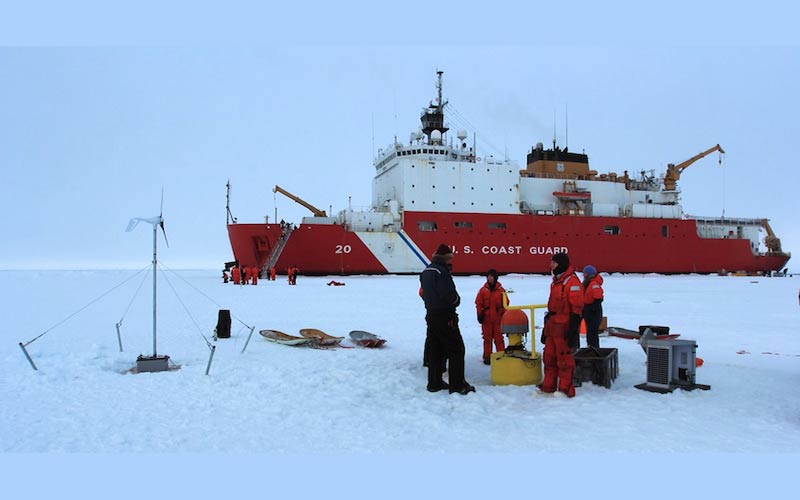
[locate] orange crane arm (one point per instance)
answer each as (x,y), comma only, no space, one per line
(681,166)
(674,171)
(317,212)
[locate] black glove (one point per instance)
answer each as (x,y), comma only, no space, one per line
(541,337)
(573,338)
(547,316)
(480,318)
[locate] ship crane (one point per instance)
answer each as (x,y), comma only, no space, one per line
(674,171)
(772,242)
(317,212)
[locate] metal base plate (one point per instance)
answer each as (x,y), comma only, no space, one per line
(662,390)
(152,364)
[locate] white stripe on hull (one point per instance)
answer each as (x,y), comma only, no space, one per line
(395,251)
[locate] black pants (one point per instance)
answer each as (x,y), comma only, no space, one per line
(444,341)
(593,315)
(426,355)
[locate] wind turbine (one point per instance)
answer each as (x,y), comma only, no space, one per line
(154,363)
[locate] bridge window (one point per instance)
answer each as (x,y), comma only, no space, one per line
(611,229)
(497,225)
(462,224)
(424,225)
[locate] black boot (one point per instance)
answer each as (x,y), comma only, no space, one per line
(440,386)
(465,389)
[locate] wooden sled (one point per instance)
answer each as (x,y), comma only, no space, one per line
(366,339)
(283,338)
(319,337)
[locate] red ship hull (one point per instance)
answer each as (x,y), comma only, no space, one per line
(517,243)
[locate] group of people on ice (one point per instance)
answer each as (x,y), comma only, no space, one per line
(243,275)
(571,300)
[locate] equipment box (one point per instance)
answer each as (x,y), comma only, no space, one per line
(596,365)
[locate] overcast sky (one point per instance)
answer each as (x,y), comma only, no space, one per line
(90,136)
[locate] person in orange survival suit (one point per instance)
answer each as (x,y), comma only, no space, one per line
(236,275)
(489,304)
(254,275)
(592,305)
(561,325)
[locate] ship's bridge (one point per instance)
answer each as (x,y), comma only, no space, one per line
(422,152)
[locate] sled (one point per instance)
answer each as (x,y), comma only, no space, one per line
(319,337)
(624,333)
(366,339)
(283,338)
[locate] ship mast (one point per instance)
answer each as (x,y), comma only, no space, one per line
(432,117)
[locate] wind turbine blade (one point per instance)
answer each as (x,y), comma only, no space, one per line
(132,224)
(165,232)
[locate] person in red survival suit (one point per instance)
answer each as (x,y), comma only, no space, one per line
(561,326)
(247,275)
(254,275)
(489,304)
(592,305)
(272,273)
(236,275)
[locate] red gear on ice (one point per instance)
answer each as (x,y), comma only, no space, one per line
(489,305)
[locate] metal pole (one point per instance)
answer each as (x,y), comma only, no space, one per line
(28,356)
(155,243)
(252,328)
(228,203)
(211,357)
(119,338)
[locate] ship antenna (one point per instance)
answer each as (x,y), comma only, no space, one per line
(228,202)
(554,130)
(229,216)
(723,184)
(566,117)
(439,88)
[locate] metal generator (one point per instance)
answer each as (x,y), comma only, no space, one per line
(671,365)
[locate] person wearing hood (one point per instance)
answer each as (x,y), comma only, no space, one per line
(443,336)
(561,325)
(592,305)
(489,304)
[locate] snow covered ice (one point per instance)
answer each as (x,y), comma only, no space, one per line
(374,400)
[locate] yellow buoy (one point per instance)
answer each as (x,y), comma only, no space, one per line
(516,365)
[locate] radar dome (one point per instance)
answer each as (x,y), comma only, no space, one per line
(436,136)
(462,134)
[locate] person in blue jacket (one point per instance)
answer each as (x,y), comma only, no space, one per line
(443,335)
